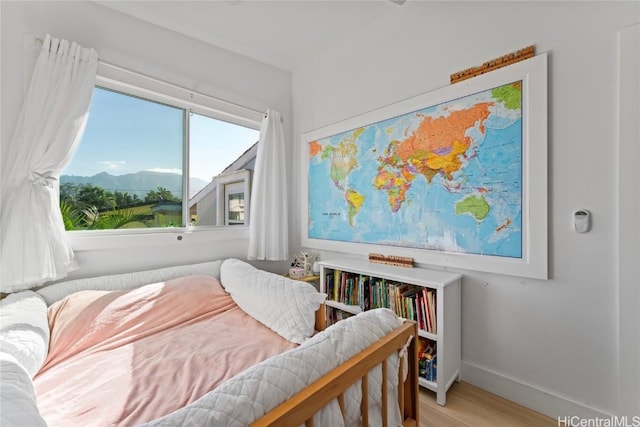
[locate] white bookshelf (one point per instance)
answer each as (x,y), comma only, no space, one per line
(447,293)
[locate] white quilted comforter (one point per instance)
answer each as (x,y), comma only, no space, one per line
(254,392)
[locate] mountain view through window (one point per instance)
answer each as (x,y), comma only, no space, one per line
(129,168)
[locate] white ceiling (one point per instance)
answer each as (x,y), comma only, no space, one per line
(279,33)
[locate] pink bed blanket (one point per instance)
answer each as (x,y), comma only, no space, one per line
(126,357)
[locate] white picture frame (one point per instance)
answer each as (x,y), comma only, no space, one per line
(533,262)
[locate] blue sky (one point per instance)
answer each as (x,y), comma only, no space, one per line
(125,135)
(216,144)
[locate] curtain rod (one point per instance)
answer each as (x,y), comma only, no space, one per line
(39,41)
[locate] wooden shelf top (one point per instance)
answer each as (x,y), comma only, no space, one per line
(304,279)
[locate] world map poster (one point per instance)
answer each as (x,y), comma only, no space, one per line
(446,178)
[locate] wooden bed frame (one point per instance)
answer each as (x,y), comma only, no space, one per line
(300,408)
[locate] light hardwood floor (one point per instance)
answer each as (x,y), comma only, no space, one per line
(468,405)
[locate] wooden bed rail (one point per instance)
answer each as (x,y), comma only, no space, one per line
(321,318)
(300,408)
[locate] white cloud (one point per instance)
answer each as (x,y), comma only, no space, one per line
(113,165)
(166,170)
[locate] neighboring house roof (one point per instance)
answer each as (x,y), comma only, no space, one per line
(167,207)
(207,189)
(245,159)
(241,162)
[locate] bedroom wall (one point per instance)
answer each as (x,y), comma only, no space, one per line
(159,53)
(629,228)
(550,345)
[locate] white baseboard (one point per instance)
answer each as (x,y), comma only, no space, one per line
(546,403)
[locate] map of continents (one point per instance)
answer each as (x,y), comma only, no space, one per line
(445,178)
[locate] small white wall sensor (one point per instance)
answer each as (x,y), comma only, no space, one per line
(582,220)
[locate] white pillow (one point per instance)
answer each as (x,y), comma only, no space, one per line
(18,406)
(117,282)
(24,329)
(285,306)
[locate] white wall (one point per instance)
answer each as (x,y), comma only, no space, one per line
(629,228)
(552,345)
(159,53)
(0,115)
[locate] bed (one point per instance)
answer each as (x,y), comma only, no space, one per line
(219,343)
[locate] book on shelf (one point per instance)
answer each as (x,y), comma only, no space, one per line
(428,367)
(427,360)
(430,299)
(335,315)
(409,301)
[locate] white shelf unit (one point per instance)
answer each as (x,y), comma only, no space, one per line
(448,322)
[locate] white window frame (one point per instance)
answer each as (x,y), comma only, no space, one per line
(232,183)
(136,84)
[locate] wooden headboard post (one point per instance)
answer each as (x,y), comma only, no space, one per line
(411,385)
(321,318)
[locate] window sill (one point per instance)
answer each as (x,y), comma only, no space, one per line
(168,237)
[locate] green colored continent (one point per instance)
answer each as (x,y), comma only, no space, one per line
(326,152)
(474,205)
(510,95)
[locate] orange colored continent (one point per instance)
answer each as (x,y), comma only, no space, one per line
(314,148)
(438,135)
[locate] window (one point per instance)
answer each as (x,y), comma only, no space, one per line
(153,159)
(214,164)
(233,189)
(235,207)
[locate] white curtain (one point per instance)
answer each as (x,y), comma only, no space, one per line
(34,246)
(268,224)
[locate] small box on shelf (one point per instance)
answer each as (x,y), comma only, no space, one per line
(296,273)
(306,261)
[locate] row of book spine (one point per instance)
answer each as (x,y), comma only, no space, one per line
(428,367)
(334,316)
(427,360)
(406,300)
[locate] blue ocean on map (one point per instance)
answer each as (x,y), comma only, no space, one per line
(446,178)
